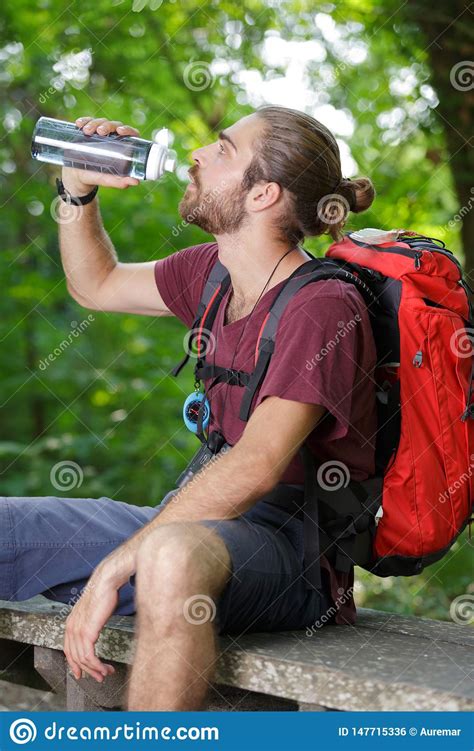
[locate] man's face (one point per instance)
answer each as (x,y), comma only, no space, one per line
(215,199)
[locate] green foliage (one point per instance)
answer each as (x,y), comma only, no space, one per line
(430,594)
(108,402)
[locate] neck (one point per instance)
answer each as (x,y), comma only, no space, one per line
(251,260)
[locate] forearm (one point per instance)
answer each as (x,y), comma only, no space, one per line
(233,482)
(224,489)
(87,253)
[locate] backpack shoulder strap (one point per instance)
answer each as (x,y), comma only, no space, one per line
(314,271)
(215,287)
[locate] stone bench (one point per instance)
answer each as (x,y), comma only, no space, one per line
(383,662)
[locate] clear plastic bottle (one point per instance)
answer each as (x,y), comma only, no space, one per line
(63,143)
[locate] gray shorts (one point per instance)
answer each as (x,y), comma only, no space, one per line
(51,545)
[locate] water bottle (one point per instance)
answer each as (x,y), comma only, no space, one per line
(63,143)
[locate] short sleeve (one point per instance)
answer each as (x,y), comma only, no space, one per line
(181,276)
(316,354)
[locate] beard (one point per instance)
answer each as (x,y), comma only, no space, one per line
(216,211)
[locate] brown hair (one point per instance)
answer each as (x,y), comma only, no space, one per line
(302,155)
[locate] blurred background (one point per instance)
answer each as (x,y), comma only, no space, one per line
(394,82)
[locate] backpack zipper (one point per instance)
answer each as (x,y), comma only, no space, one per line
(415,254)
(446,253)
(418,359)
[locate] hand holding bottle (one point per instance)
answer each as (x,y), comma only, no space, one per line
(79,181)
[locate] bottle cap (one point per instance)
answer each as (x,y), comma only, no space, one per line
(160,159)
(170,161)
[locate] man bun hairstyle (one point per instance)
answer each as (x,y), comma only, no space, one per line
(302,155)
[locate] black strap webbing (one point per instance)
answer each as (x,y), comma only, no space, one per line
(312,563)
(218,279)
(313,271)
(265,352)
(230,375)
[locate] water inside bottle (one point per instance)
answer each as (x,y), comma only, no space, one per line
(62,143)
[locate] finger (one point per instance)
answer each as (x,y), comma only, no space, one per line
(78,665)
(99,677)
(108,127)
(92,125)
(128,130)
(87,668)
(74,661)
(92,663)
(122,183)
(72,643)
(81,121)
(76,670)
(88,658)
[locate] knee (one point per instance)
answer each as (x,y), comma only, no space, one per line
(178,559)
(177,577)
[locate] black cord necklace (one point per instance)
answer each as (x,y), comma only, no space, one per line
(243,330)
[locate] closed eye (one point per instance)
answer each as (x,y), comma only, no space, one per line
(221,146)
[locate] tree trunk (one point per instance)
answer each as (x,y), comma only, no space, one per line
(449,44)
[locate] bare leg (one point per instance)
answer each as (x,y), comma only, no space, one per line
(181,570)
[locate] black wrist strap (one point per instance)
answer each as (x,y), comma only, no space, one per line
(68,198)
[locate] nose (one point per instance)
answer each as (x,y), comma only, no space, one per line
(199,155)
(196,155)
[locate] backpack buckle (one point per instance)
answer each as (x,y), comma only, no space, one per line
(468,412)
(234,377)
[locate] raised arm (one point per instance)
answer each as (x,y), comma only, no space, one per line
(95,277)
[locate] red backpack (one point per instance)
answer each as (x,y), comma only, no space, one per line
(419,501)
(423,330)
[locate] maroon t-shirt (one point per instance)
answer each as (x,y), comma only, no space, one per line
(324,354)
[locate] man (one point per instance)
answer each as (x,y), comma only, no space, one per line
(217,555)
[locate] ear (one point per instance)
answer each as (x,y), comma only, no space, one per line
(263,195)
